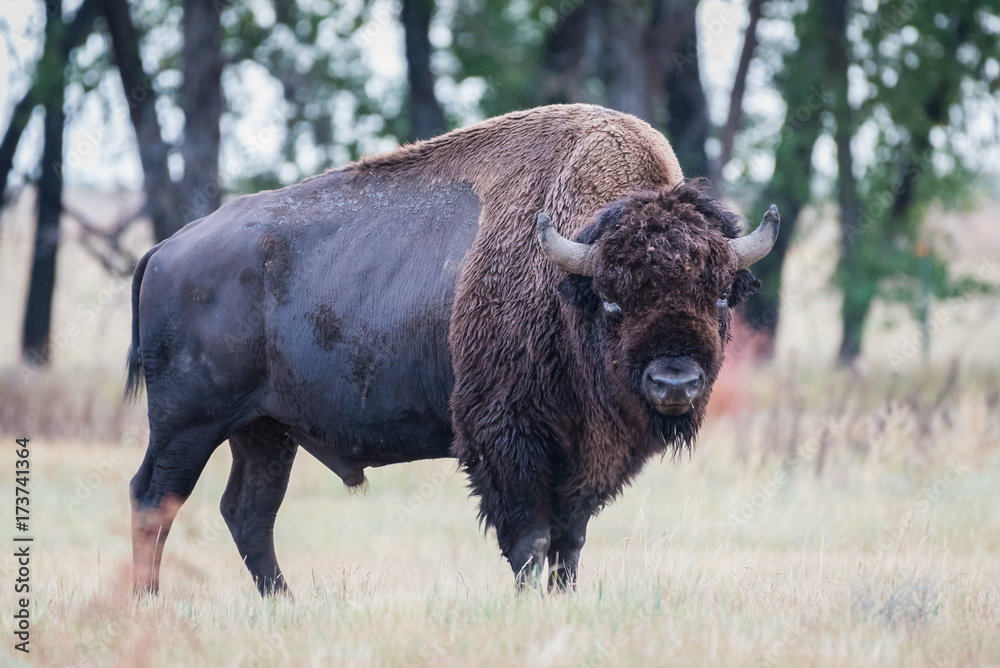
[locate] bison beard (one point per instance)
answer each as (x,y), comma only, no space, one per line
(401,308)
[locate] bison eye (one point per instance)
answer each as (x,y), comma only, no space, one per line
(723,301)
(612,308)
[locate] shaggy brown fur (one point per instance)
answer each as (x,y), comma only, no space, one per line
(548,418)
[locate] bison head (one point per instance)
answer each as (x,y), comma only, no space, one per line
(655,278)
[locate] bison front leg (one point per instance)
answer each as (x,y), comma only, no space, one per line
(262,463)
(568,530)
(527,557)
(514,498)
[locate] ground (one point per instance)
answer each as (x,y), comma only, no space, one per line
(824,518)
(740,554)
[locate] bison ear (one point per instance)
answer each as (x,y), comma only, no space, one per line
(579,292)
(607,220)
(744,285)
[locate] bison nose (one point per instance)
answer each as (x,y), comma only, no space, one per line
(674,388)
(671,387)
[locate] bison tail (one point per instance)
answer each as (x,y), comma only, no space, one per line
(134,381)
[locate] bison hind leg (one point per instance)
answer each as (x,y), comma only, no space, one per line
(263,454)
(174,460)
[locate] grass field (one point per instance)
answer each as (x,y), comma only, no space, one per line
(739,555)
(825,518)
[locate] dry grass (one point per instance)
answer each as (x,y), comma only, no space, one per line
(738,555)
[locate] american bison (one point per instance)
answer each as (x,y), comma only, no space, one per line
(417,304)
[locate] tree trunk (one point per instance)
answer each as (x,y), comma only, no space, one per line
(687,107)
(801,85)
(202,105)
(789,189)
(12,137)
(639,50)
(728,135)
(426,116)
(52,76)
(573,52)
(162,201)
(855,310)
(627,76)
(857,298)
(77,30)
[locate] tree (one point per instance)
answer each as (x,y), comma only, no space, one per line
(201,100)
(51,75)
(504,47)
(914,87)
(329,113)
(162,195)
(169,203)
(923,63)
(687,124)
(727,136)
(73,35)
(801,82)
(638,56)
(426,115)
(837,61)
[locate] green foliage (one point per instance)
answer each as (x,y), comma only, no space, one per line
(923,63)
(800,79)
(311,49)
(916,69)
(503,43)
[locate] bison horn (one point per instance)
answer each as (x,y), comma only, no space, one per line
(757,244)
(574,257)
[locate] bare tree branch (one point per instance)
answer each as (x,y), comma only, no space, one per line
(728,135)
(104,244)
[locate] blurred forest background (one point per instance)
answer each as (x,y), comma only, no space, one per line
(879,116)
